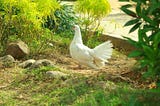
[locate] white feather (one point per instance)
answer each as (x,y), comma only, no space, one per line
(103,51)
(94,58)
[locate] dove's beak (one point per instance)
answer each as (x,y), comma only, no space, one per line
(73,28)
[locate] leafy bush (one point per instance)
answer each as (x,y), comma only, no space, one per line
(91,12)
(24,19)
(62,20)
(147,21)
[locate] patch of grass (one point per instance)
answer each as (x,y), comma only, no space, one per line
(123,95)
(145,98)
(34,88)
(39,73)
(100,97)
(6,98)
(97,98)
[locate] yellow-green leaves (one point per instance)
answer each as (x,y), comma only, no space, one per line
(24,19)
(45,7)
(91,12)
(34,11)
(101,8)
(94,8)
(28,11)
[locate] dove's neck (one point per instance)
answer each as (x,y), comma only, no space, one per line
(78,37)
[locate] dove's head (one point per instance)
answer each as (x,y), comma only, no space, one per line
(76,27)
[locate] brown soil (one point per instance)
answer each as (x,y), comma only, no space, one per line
(120,68)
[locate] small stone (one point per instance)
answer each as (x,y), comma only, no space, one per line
(7,60)
(17,49)
(46,62)
(40,63)
(27,63)
(56,74)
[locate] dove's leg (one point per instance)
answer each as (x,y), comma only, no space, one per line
(92,65)
(79,66)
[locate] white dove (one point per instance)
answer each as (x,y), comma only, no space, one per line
(94,58)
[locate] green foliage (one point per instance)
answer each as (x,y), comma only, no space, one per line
(146,20)
(93,41)
(39,72)
(65,18)
(99,98)
(91,12)
(144,98)
(96,9)
(24,19)
(62,21)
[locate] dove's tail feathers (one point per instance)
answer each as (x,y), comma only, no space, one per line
(99,63)
(103,51)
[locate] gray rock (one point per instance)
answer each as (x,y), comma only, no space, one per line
(7,60)
(56,74)
(17,49)
(40,63)
(27,63)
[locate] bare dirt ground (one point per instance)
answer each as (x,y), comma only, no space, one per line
(120,68)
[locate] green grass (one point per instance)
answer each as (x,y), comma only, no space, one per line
(34,88)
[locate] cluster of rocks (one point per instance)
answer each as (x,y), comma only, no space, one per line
(17,50)
(14,50)
(31,63)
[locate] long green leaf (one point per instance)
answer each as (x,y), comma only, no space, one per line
(131,22)
(156,41)
(149,52)
(142,36)
(126,6)
(135,53)
(135,27)
(138,9)
(127,11)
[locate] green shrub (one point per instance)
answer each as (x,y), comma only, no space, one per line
(24,19)
(91,12)
(147,21)
(62,21)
